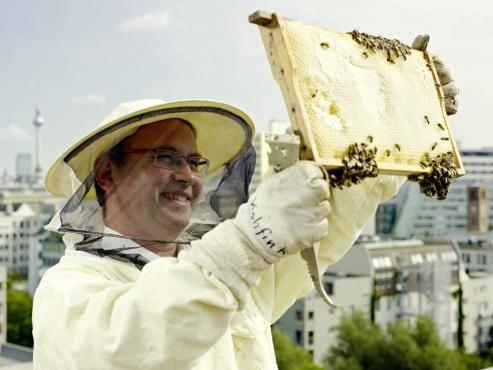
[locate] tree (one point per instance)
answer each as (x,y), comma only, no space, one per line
(362,344)
(289,356)
(19,308)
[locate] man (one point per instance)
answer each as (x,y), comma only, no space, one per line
(127,294)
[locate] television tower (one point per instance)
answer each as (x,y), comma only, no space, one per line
(38,121)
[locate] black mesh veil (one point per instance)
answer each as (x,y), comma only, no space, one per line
(81,219)
(222,201)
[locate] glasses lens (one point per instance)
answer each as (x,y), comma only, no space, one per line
(167,159)
(173,160)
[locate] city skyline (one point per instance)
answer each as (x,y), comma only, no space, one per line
(76,64)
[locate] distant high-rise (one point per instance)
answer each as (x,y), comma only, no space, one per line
(420,216)
(262,150)
(23,167)
(38,121)
(477,209)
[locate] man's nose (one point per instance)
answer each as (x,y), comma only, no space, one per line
(184,173)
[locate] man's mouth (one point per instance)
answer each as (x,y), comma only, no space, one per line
(181,197)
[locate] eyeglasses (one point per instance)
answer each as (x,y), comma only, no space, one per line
(172,160)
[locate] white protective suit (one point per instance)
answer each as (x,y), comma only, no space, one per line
(94,312)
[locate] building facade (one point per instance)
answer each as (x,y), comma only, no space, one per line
(419,216)
(24,210)
(387,280)
(477,255)
(3,305)
(17,226)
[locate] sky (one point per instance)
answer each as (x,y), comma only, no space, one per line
(77,60)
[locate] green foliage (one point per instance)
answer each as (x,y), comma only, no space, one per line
(362,344)
(289,356)
(19,308)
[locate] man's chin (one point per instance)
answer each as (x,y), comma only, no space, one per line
(176,221)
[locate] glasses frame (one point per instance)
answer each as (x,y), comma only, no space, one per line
(182,158)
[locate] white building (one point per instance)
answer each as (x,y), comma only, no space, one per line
(387,280)
(18,223)
(24,210)
(420,216)
(46,249)
(3,304)
(478,310)
(477,255)
(262,150)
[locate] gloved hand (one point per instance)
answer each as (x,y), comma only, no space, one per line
(351,209)
(287,213)
(450,89)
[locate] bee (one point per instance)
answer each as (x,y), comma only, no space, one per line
(427,120)
(387,152)
(441,126)
(370,138)
(324,45)
(444,138)
(365,54)
(398,147)
(434,146)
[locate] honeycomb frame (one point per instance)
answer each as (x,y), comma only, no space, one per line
(432,134)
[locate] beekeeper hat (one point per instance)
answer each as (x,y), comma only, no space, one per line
(223,133)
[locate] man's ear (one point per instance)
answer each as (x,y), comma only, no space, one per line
(104,176)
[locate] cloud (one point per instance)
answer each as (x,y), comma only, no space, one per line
(90,98)
(150,21)
(14,133)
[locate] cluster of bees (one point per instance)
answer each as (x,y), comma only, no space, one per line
(442,172)
(359,163)
(393,48)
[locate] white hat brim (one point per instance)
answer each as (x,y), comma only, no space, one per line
(223,133)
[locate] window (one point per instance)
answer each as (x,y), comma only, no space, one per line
(299,315)
(310,315)
(299,337)
(329,287)
(377,304)
(310,337)
(481,259)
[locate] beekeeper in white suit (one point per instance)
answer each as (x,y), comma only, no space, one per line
(128,294)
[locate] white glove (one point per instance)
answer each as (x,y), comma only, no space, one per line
(351,209)
(287,213)
(450,89)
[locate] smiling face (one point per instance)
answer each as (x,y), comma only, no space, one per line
(145,200)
